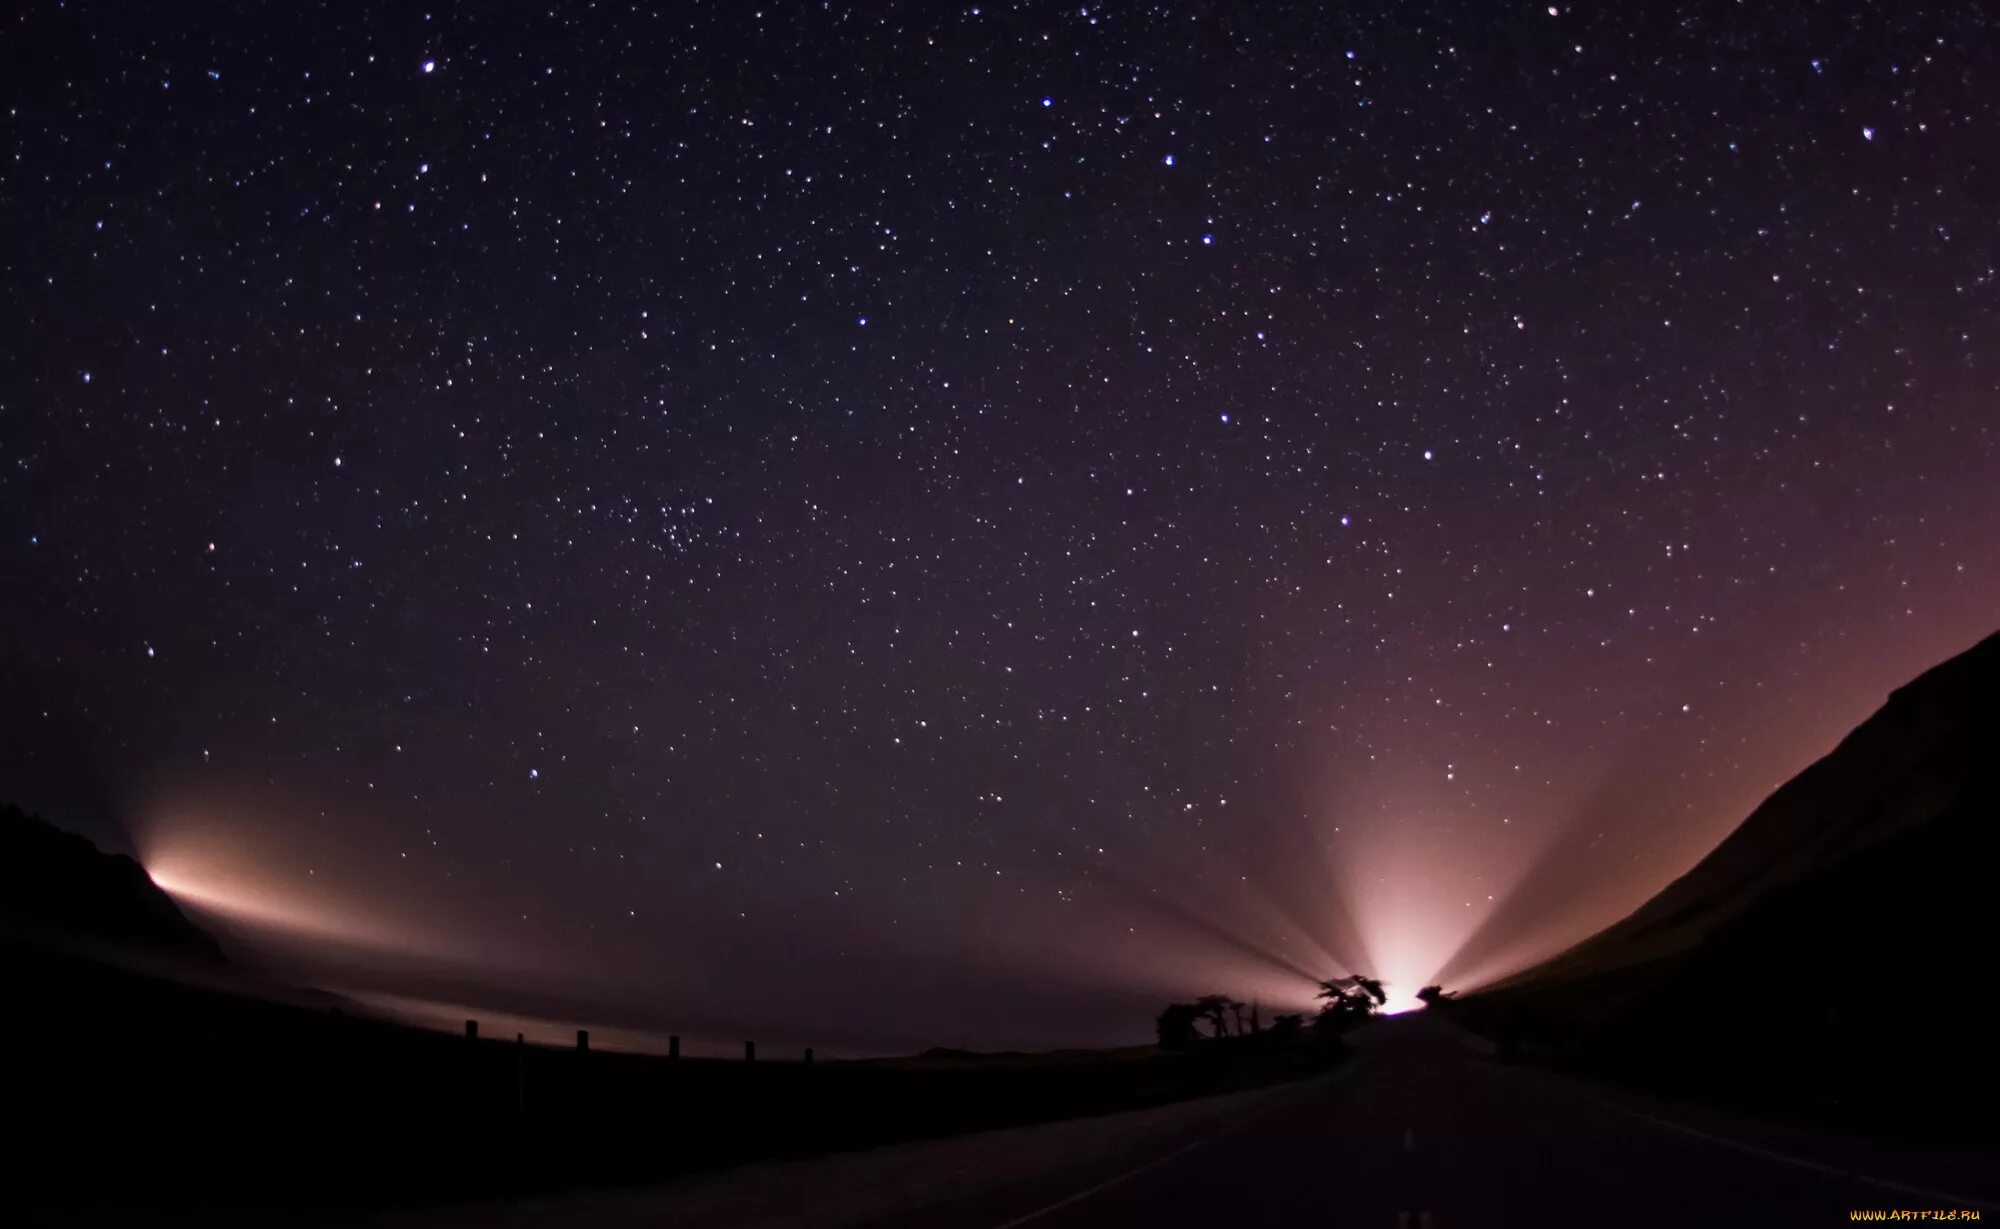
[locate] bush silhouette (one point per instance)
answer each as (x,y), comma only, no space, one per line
(1176,1026)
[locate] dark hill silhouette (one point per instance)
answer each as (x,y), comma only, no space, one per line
(1826,955)
(58,885)
(147,1071)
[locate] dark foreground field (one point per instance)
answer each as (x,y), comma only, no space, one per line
(1424,1125)
(139,1091)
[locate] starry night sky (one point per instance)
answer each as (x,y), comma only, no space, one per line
(903,523)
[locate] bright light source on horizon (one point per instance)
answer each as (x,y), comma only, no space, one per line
(229,872)
(209,885)
(1400,999)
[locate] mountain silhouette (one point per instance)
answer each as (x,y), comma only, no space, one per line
(57,885)
(1829,951)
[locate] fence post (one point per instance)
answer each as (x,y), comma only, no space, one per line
(472,1030)
(674,1046)
(348,1181)
(808,1135)
(749,1051)
(169,1058)
(579,1109)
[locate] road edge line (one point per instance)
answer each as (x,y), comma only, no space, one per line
(1120,1178)
(1771,1154)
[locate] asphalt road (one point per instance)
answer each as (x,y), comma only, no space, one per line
(1421,1129)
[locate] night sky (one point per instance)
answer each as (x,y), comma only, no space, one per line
(900,524)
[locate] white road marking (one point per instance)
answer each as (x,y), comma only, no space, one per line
(1299,1092)
(1105,1185)
(1901,1188)
(1783,1158)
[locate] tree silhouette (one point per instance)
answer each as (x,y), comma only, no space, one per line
(1176,1026)
(1435,996)
(1217,1008)
(1349,1001)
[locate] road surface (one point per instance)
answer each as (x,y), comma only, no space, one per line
(1421,1129)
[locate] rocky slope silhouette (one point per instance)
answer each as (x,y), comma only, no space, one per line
(1828,954)
(57,885)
